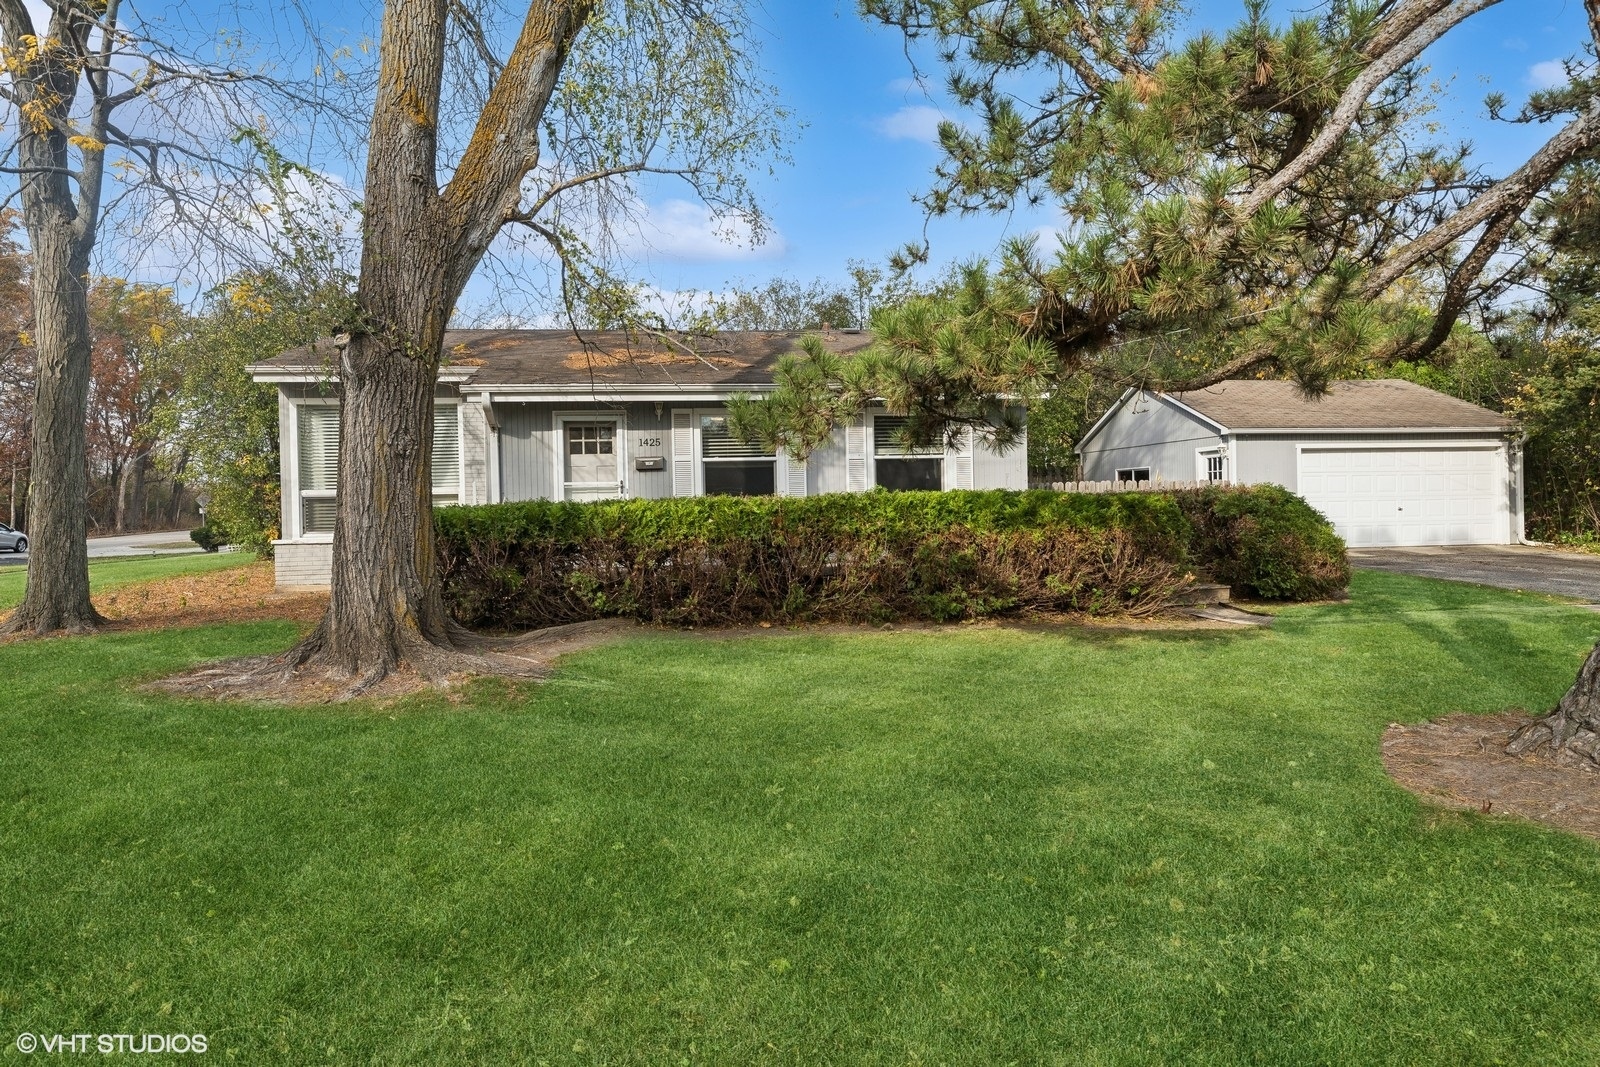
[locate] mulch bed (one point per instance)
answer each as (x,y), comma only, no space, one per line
(1460,761)
(238,594)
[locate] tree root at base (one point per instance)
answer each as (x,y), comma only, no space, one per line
(1558,733)
(303,675)
(23,623)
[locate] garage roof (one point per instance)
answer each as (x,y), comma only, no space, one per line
(1387,404)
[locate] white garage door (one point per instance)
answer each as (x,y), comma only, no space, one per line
(1421,496)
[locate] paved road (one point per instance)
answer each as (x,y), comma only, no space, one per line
(1539,570)
(171,543)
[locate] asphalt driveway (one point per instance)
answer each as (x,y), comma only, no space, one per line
(1538,570)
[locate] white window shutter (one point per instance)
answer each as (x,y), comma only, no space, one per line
(683,453)
(791,474)
(961,461)
(855,449)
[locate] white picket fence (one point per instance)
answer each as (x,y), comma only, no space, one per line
(1119,487)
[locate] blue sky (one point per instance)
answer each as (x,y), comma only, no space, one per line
(867,141)
(867,146)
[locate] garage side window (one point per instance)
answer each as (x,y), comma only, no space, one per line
(1133,474)
(899,465)
(318,430)
(730,467)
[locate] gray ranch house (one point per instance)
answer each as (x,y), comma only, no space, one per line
(550,415)
(1388,462)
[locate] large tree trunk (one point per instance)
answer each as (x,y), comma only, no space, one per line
(57,595)
(1574,726)
(420,245)
(61,233)
(386,607)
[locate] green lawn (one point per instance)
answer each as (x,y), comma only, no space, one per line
(109,573)
(967,846)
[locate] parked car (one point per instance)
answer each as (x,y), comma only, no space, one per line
(12,539)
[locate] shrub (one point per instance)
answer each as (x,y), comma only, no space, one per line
(1264,541)
(869,556)
(717,560)
(208,536)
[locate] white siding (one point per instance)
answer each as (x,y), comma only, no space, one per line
(1147,431)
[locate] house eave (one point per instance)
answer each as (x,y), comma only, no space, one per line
(277,374)
(1351,431)
(534,394)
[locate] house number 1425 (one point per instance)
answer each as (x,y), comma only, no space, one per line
(649,442)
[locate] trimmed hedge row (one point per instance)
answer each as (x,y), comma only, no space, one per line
(868,556)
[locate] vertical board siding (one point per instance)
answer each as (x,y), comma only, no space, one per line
(530,450)
(993,469)
(527,458)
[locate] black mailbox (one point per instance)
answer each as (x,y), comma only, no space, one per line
(650,463)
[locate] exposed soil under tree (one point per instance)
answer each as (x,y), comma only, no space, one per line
(1460,761)
(282,679)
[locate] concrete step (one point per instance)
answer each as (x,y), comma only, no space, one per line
(1202,593)
(1229,614)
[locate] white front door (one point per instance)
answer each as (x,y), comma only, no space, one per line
(1418,496)
(590,459)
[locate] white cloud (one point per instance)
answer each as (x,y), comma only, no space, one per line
(914,122)
(1551,74)
(681,229)
(907,86)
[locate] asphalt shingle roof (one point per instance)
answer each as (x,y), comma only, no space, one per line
(1382,404)
(560,357)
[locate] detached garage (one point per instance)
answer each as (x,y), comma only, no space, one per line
(1389,462)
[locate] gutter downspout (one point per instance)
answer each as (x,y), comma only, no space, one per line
(486,401)
(1519,474)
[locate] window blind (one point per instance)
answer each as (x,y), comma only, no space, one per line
(717,443)
(886,440)
(446,451)
(319,447)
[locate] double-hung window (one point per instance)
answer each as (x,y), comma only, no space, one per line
(317,427)
(898,465)
(729,466)
(319,467)
(1212,465)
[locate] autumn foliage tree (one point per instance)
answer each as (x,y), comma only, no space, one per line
(108,121)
